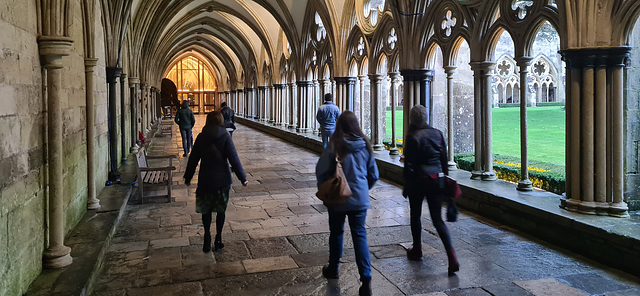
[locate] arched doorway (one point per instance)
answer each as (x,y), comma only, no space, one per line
(195,83)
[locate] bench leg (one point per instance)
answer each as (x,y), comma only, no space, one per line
(169,183)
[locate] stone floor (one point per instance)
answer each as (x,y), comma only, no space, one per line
(276,237)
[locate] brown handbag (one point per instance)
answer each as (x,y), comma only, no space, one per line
(335,190)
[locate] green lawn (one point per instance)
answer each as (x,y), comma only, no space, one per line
(546,132)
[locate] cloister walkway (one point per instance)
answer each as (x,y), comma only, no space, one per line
(276,242)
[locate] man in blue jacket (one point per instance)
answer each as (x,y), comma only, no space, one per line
(327,115)
(186,121)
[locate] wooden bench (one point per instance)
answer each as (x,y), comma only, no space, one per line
(154,176)
(166,127)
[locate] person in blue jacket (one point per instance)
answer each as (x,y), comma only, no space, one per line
(186,121)
(352,148)
(214,150)
(326,116)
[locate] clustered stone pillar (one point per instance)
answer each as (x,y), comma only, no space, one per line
(394,102)
(361,81)
(112,79)
(250,105)
(345,92)
(316,105)
(304,101)
(52,49)
(89,65)
(123,127)
(595,117)
(524,184)
(292,105)
(417,89)
(240,102)
(376,111)
(133,94)
(278,109)
(450,71)
(483,169)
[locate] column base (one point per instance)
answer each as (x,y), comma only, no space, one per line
(378,147)
(394,151)
(134,149)
(57,257)
(489,176)
(584,207)
(525,185)
(93,204)
(452,166)
(602,208)
(476,175)
(619,209)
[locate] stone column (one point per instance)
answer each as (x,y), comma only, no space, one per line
(345,92)
(450,71)
(361,79)
(250,103)
(394,102)
(524,184)
(595,117)
(292,106)
(376,110)
(123,112)
(52,49)
(112,78)
(133,93)
(240,102)
(482,117)
(417,89)
(303,106)
(316,105)
(89,65)
(145,108)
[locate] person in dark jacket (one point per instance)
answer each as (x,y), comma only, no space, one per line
(186,121)
(352,148)
(425,167)
(214,150)
(229,117)
(327,115)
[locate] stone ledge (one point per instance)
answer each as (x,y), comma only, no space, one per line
(612,241)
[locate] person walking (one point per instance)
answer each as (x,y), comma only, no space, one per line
(425,167)
(186,121)
(229,117)
(351,147)
(326,116)
(214,150)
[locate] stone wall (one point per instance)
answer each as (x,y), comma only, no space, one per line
(632,116)
(23,122)
(463,103)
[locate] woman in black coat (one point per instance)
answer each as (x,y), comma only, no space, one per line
(214,150)
(425,167)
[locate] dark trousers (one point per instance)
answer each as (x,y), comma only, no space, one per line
(435,209)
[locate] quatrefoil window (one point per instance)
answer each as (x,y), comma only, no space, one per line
(520,7)
(392,39)
(504,68)
(448,23)
(360,46)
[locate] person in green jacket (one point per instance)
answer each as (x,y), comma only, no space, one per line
(186,121)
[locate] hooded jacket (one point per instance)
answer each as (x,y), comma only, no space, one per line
(184,117)
(215,150)
(359,168)
(229,117)
(425,156)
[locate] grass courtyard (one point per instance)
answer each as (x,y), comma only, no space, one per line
(546,132)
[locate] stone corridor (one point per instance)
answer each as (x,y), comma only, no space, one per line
(276,237)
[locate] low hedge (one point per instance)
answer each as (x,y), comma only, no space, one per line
(541,104)
(398,108)
(543,175)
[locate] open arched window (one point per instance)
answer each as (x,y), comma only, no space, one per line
(195,82)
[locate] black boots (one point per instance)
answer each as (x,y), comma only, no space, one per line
(365,289)
(206,247)
(328,274)
(218,245)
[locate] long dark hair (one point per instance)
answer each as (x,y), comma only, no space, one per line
(347,125)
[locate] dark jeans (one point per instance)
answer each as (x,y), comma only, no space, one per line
(359,236)
(326,134)
(435,209)
(187,140)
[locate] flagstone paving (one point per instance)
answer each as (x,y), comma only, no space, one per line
(276,236)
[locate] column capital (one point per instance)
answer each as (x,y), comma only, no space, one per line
(134,80)
(89,64)
(239,90)
(248,89)
(53,48)
(486,66)
(262,87)
(345,80)
(523,60)
(113,73)
(450,70)
(612,56)
(375,78)
(278,86)
(417,74)
(304,83)
(123,77)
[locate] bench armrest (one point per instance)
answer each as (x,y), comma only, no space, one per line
(169,168)
(162,156)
